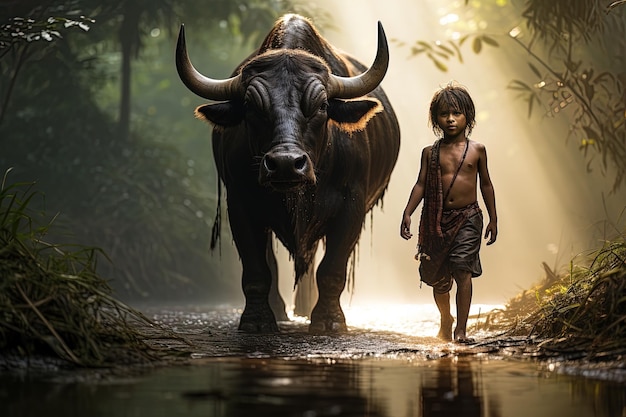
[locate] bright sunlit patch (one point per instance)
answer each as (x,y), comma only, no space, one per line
(482,116)
(297,319)
(515,32)
(553,248)
(409,319)
(449,18)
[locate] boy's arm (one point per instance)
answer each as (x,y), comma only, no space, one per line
(489,197)
(417,193)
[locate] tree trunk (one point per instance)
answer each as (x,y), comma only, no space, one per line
(129,40)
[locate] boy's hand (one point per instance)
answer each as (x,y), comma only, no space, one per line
(405,228)
(491,232)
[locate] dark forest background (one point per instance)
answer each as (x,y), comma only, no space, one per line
(92,112)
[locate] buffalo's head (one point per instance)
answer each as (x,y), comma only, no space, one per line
(287,99)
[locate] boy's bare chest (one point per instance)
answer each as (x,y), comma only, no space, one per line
(453,158)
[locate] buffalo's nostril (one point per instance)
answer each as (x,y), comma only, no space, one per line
(270,164)
(300,163)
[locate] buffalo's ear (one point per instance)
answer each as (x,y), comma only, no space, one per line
(353,115)
(220,114)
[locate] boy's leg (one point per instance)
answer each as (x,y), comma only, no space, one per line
(443,304)
(463,302)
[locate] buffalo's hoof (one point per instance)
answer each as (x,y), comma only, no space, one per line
(256,327)
(327,319)
(258,319)
(326,327)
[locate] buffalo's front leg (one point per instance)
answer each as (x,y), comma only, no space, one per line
(251,240)
(327,315)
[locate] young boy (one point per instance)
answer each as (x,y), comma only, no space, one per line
(451,222)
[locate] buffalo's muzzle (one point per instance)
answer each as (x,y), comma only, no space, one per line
(286,169)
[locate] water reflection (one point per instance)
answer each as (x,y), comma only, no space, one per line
(456,385)
(269,388)
(365,373)
(454,391)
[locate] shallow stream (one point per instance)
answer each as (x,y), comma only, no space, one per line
(394,369)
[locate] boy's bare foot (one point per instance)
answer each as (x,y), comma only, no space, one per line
(461,338)
(445,329)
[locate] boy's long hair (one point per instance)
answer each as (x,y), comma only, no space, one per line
(455,97)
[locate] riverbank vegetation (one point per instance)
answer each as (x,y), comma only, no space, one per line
(52,301)
(579,312)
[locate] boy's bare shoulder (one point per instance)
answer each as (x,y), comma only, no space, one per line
(477,145)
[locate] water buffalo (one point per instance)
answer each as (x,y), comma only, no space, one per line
(305,141)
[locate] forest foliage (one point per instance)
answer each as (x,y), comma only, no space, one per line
(92,113)
(575,53)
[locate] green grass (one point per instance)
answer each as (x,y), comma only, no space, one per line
(52,301)
(580,312)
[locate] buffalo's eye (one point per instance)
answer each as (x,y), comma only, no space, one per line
(314,98)
(257,97)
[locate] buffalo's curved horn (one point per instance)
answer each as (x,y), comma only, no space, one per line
(353,87)
(205,87)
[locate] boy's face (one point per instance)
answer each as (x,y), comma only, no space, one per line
(451,120)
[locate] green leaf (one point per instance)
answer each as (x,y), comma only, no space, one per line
(568,307)
(416,51)
(447,50)
(600,77)
(535,70)
(531,100)
(589,91)
(440,65)
(591,133)
(477,45)
(518,85)
(441,54)
(490,41)
(458,51)
(425,45)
